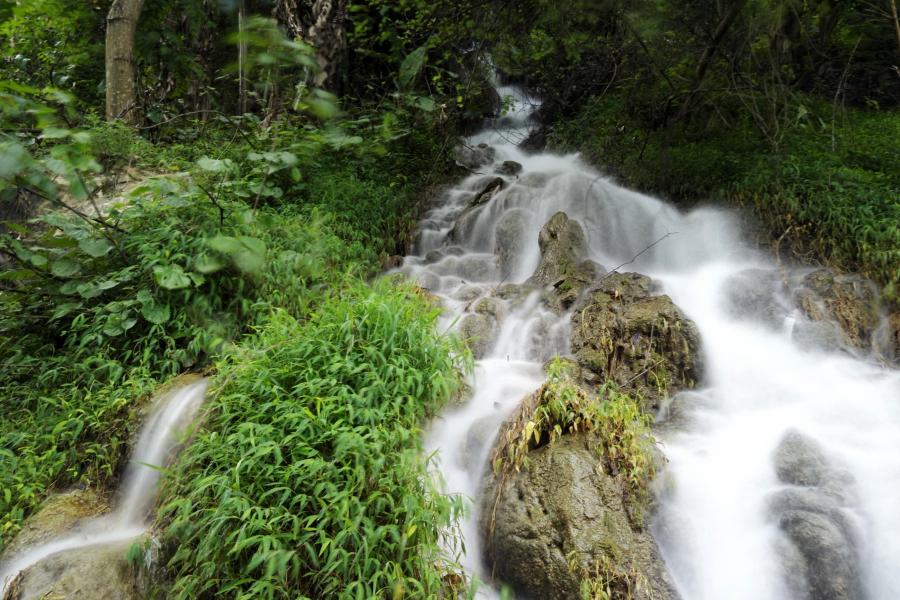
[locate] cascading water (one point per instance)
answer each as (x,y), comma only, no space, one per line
(162,432)
(717,527)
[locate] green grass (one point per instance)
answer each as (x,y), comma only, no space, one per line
(842,205)
(308,478)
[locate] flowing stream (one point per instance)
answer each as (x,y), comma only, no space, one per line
(721,540)
(170,417)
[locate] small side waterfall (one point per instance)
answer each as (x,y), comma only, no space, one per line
(164,430)
(732,517)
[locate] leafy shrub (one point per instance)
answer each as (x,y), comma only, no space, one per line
(308,479)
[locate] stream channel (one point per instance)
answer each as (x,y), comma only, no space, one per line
(718,523)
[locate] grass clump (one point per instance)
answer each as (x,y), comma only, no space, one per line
(308,479)
(560,407)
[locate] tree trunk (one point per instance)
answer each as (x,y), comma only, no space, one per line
(121,24)
(322,25)
(896,22)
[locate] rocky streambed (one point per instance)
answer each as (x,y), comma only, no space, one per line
(535,256)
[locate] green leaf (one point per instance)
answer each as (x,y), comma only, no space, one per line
(96,247)
(14,227)
(38,260)
(411,66)
(19,274)
(51,133)
(65,267)
(144,296)
(426,104)
(211,164)
(155,313)
(171,277)
(208,264)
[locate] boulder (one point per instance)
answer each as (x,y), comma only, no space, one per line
(847,300)
(563,247)
(753,295)
(560,296)
(474,158)
(799,460)
(90,573)
(491,307)
(480,436)
(561,505)
(510,236)
(509,168)
(477,269)
(641,342)
(820,541)
(817,337)
(487,192)
(59,516)
(465,223)
(467,293)
(433,256)
(479,332)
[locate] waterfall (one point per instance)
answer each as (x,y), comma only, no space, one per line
(718,525)
(170,417)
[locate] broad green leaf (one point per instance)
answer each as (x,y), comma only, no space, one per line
(211,164)
(38,260)
(65,267)
(144,296)
(51,133)
(411,66)
(156,313)
(171,277)
(95,247)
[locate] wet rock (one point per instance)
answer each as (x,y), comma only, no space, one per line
(433,256)
(393,262)
(534,179)
(643,343)
(752,295)
(564,292)
(817,530)
(453,251)
(560,504)
(477,269)
(678,413)
(487,192)
(848,300)
(799,460)
(464,224)
(467,293)
(831,562)
(58,517)
(491,307)
(474,158)
(510,291)
(480,436)
(793,569)
(510,235)
(90,573)
(563,247)
(817,337)
(479,332)
(509,168)
(426,280)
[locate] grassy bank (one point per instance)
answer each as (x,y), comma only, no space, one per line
(250,261)
(829,178)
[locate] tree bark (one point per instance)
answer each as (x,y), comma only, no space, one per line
(322,25)
(896,22)
(121,24)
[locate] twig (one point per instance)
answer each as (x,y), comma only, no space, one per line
(668,233)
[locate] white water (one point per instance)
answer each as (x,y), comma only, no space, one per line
(758,384)
(164,429)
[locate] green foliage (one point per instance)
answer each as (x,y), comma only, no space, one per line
(55,437)
(561,407)
(308,480)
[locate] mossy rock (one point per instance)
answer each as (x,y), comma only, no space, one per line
(562,506)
